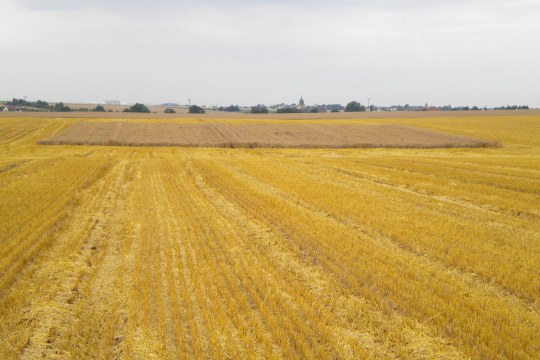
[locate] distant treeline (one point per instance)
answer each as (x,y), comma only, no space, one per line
(294,109)
(45,106)
(355,106)
(38,105)
(21,102)
(408,107)
(352,106)
(512,107)
(230,108)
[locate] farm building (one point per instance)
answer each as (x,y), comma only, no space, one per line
(12,108)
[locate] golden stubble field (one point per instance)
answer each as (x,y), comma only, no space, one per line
(288,135)
(142,252)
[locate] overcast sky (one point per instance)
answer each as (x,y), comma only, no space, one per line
(246,52)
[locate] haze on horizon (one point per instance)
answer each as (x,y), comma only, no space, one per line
(441,52)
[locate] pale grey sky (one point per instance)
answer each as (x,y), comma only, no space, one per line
(246,52)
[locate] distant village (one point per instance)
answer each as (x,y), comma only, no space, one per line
(20,105)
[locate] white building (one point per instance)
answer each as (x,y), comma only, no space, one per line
(12,108)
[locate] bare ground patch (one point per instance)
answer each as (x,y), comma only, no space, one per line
(260,136)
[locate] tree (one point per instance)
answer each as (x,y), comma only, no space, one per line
(259,109)
(194,109)
(137,108)
(61,107)
(354,106)
(169,111)
(99,108)
(18,102)
(232,108)
(337,107)
(288,110)
(41,104)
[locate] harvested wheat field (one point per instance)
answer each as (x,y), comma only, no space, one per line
(260,135)
(183,252)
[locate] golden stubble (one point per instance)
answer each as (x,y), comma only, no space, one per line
(147,252)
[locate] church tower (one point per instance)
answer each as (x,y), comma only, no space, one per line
(301,103)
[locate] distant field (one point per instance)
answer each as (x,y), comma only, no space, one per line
(111,252)
(260,135)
